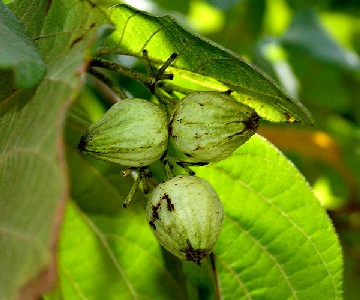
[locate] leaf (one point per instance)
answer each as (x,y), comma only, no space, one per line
(201,60)
(113,258)
(276,241)
(18,51)
(307,38)
(33,175)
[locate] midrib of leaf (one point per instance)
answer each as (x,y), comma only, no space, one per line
(291,222)
(268,253)
(25,238)
(155,259)
(235,275)
(73,282)
(111,254)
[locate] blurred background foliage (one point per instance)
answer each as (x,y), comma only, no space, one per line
(312,49)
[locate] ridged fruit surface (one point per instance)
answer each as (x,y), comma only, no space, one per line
(185,214)
(209,126)
(133,133)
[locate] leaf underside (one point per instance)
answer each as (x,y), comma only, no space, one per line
(32,167)
(202,61)
(18,51)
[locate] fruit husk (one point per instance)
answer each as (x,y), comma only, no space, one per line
(133,133)
(185,215)
(209,126)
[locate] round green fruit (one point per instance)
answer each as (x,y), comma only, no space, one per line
(185,215)
(209,126)
(133,133)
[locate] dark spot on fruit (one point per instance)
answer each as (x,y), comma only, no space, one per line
(231,136)
(83,141)
(252,122)
(155,214)
(194,255)
(170,206)
(288,118)
(229,91)
(188,154)
(151,223)
(92,25)
(201,104)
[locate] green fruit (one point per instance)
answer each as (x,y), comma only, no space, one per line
(133,133)
(185,215)
(209,126)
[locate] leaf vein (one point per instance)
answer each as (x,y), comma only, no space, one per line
(286,217)
(126,23)
(270,255)
(155,259)
(111,254)
(236,276)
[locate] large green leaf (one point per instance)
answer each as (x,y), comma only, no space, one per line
(18,51)
(33,178)
(276,241)
(202,61)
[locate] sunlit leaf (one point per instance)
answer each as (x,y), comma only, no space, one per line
(201,60)
(276,241)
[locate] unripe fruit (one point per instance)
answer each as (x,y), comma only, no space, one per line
(209,126)
(185,215)
(133,133)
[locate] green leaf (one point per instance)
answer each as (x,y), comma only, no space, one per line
(32,167)
(307,38)
(202,61)
(18,51)
(113,258)
(276,242)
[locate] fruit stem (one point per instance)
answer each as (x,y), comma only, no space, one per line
(144,173)
(168,167)
(128,72)
(170,88)
(132,192)
(163,97)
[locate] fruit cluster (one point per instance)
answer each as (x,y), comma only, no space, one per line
(184,212)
